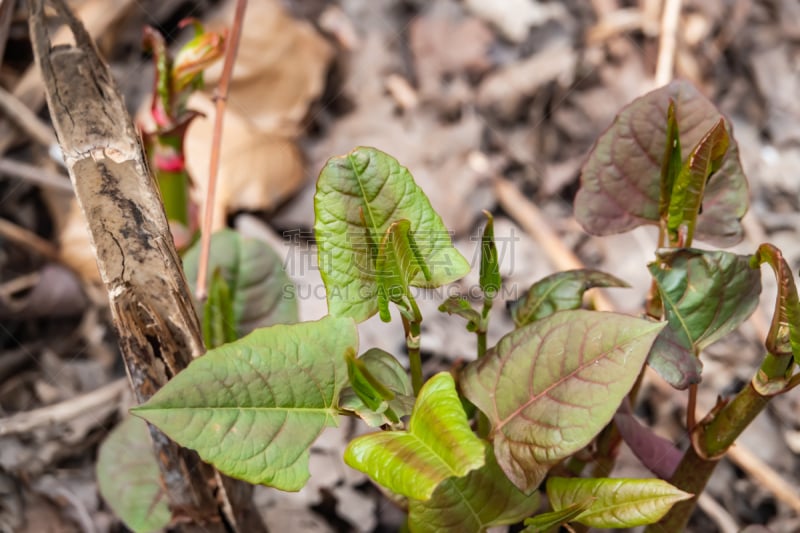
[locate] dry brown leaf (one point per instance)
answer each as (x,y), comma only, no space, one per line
(444,42)
(257,170)
(505,90)
(280,67)
(513,18)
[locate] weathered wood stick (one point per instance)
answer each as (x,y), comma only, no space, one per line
(159,333)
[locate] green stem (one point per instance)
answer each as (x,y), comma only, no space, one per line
(692,475)
(483,422)
(710,441)
(483,327)
(412,329)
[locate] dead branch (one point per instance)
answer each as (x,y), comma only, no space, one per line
(158,329)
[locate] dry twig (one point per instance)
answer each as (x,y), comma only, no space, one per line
(25,119)
(28,239)
(765,475)
(530,218)
(21,170)
(667,42)
(65,411)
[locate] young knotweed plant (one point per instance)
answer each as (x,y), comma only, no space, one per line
(638,174)
(253,407)
(551,395)
(176,78)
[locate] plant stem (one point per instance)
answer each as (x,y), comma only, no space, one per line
(692,475)
(220,98)
(483,326)
(710,440)
(412,329)
(481,342)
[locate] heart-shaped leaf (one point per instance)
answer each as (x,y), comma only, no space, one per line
(481,499)
(543,523)
(439,444)
(618,503)
(706,295)
(392,376)
(621,179)
(689,188)
(561,291)
(129,479)
(359,195)
(261,292)
(253,407)
(548,388)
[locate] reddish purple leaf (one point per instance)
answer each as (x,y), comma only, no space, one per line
(621,179)
(658,454)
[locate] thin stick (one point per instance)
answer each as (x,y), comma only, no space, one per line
(104,397)
(220,98)
(718,514)
(6,14)
(25,119)
(25,171)
(530,218)
(765,475)
(667,42)
(28,239)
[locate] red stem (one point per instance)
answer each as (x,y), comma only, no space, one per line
(220,98)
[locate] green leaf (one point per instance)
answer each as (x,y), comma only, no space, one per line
(366,386)
(261,291)
(784,332)
(390,373)
(561,291)
(129,479)
(674,361)
(549,387)
(671,162)
(482,499)
(456,305)
(219,324)
(689,188)
(706,295)
(359,195)
(252,408)
(618,503)
(490,268)
(542,523)
(439,444)
(397,263)
(621,179)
